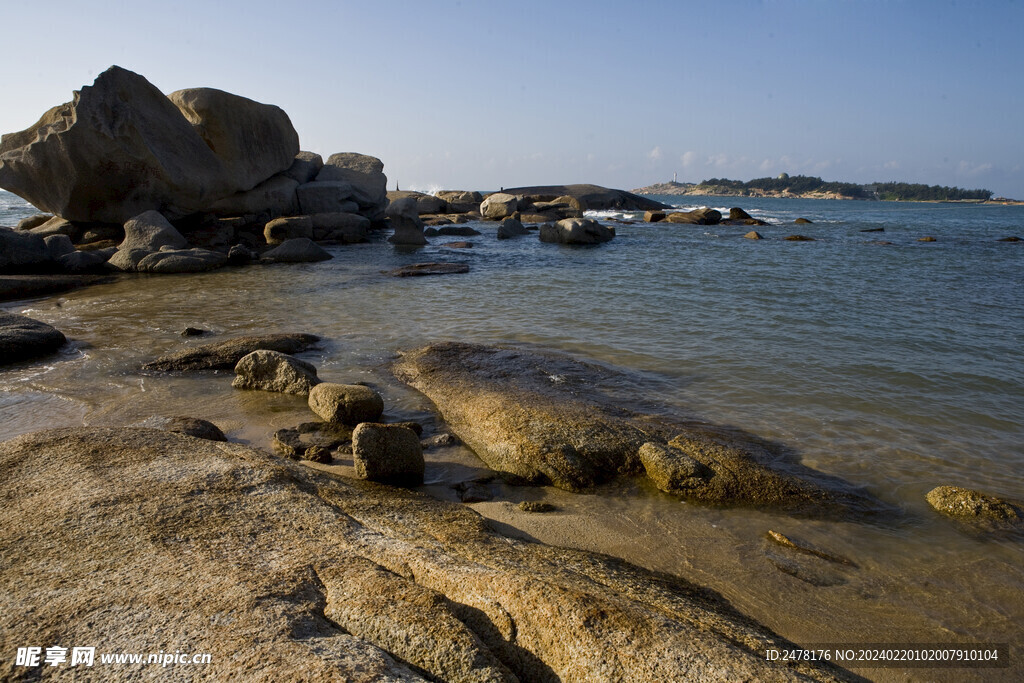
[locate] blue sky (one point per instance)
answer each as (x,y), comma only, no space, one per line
(477,95)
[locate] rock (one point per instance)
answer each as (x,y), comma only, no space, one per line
(404,218)
(305,167)
(346,403)
(181,261)
(799,238)
(35,221)
(499,205)
(14,287)
(325,197)
(224,355)
(297,250)
(240,255)
(295,443)
(281,229)
(318,454)
(576,231)
(194,332)
(22,338)
(536,506)
(425,203)
(738,214)
(252,140)
(58,245)
(302,575)
(349,228)
(874,230)
(387,453)
(57,226)
(976,509)
(456,231)
(149,232)
(509,228)
(461,201)
(1011,238)
(365,174)
(591,197)
(458,245)
(474,491)
(189,426)
(125,132)
(85,261)
(435,221)
(654,216)
(218,234)
(696,217)
(275,196)
(926,239)
(22,252)
(672,470)
(420,269)
(445,440)
(801,546)
(753,235)
(803,221)
(265,370)
(545,418)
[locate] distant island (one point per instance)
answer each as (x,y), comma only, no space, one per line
(810,187)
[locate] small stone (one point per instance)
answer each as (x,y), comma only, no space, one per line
(458,245)
(803,221)
(799,238)
(346,403)
(753,235)
(193,332)
(929,238)
(317,454)
(387,453)
(536,506)
(1012,238)
(978,509)
(738,214)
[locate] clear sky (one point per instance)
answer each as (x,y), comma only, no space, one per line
(478,94)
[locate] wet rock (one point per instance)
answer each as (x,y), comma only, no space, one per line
(265,370)
(456,231)
(977,510)
(349,228)
(536,506)
(387,453)
(753,235)
(444,440)
(295,442)
(1012,238)
(458,245)
(803,221)
(473,491)
(194,332)
(189,426)
(654,216)
(696,217)
(671,470)
(224,355)
(281,229)
(346,403)
(317,577)
(145,234)
(23,286)
(510,227)
(318,454)
(799,238)
(499,205)
(576,231)
(544,418)
(874,230)
(405,220)
(803,547)
(926,239)
(22,338)
(240,255)
(409,424)
(181,261)
(296,250)
(738,214)
(420,269)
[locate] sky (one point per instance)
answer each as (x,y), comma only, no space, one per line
(463,94)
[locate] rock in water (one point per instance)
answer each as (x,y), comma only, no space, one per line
(406,222)
(22,338)
(265,370)
(297,250)
(576,231)
(119,148)
(543,418)
(346,403)
(387,453)
(224,355)
(285,573)
(977,510)
(253,140)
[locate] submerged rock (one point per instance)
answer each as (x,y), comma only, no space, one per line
(420,269)
(544,419)
(224,355)
(22,338)
(306,576)
(296,250)
(189,426)
(976,509)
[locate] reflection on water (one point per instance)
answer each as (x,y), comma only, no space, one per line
(895,367)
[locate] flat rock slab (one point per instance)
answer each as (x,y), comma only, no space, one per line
(428,269)
(22,338)
(542,419)
(224,355)
(138,540)
(24,286)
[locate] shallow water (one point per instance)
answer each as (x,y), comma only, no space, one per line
(896,367)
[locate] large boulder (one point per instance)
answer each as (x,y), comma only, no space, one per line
(340,227)
(425,203)
(22,252)
(387,453)
(22,338)
(346,403)
(265,370)
(224,355)
(304,167)
(696,217)
(366,176)
(404,217)
(274,197)
(548,419)
(285,573)
(461,201)
(576,231)
(119,148)
(511,227)
(589,197)
(326,197)
(253,140)
(144,235)
(499,205)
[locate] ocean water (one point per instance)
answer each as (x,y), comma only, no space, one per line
(895,366)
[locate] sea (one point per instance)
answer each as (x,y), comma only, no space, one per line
(892,362)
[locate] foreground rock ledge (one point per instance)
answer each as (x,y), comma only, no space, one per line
(545,418)
(138,540)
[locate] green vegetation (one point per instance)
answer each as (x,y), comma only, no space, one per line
(801,184)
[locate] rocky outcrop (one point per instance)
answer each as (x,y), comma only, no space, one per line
(403,216)
(325,197)
(265,370)
(425,203)
(189,426)
(590,197)
(224,355)
(286,573)
(576,231)
(387,453)
(346,403)
(696,217)
(296,250)
(22,338)
(365,175)
(461,201)
(548,419)
(252,140)
(274,197)
(977,510)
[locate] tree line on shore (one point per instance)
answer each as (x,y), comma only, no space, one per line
(891,191)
